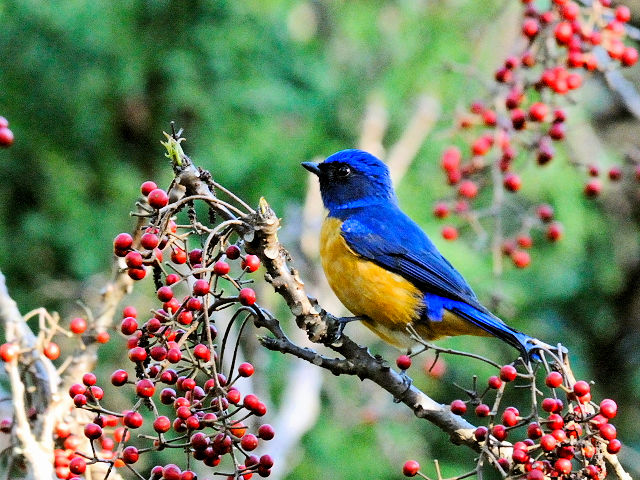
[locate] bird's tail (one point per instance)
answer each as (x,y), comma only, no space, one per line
(528,346)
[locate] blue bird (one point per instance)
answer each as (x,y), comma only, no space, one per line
(384,268)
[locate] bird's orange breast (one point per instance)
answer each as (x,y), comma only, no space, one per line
(366,289)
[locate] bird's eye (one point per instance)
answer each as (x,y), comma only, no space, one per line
(344,171)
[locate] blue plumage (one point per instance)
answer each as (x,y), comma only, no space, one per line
(356,188)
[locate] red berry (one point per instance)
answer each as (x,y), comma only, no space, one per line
(518,119)
(530,27)
(9,352)
(77,465)
(200,288)
(232,252)
(147,187)
(563,465)
(78,325)
(51,350)
(481,433)
(145,388)
(608,431)
(6,137)
(137,354)
(247,296)
(548,442)
(130,455)
(608,408)
(172,278)
(615,173)
(250,263)
(512,182)
(410,468)
(162,424)
(494,382)
(509,418)
(524,241)
(164,294)
(202,352)
(449,232)
(553,380)
(123,241)
(249,442)
(128,326)
(251,402)
(92,431)
(403,362)
(158,198)
(508,373)
(245,369)
(520,456)
(102,337)
(266,432)
(89,379)
(614,446)
(195,256)
(538,111)
(171,472)
(520,258)
(132,419)
(451,159)
(490,118)
(221,268)
(581,388)
(623,14)
(468,189)
(557,131)
(483,410)
(534,431)
(119,377)
(133,259)
(441,210)
(545,212)
(481,145)
(149,241)
(563,32)
(554,232)
(629,56)
(4,123)
(500,432)
(178,256)
(555,421)
(458,407)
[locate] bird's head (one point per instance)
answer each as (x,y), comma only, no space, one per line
(352,178)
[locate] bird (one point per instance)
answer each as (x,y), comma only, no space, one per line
(384,268)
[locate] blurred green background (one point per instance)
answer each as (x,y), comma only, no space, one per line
(260,86)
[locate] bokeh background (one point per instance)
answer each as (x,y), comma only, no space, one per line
(261,85)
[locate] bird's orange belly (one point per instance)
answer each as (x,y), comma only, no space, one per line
(365,289)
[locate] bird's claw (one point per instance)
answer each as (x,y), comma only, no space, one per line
(342,322)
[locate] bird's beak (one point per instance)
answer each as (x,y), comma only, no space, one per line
(312,167)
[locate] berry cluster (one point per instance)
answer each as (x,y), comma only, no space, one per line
(525,118)
(184,375)
(6,135)
(563,439)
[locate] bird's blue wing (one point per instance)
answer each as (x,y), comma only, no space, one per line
(389,238)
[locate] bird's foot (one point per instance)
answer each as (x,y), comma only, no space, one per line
(536,347)
(342,322)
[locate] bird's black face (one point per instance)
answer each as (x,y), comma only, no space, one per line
(352,178)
